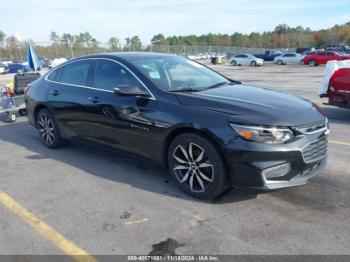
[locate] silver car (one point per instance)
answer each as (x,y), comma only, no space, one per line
(289,58)
(246,59)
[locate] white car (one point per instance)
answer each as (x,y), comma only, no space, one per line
(290,58)
(57,61)
(3,69)
(246,59)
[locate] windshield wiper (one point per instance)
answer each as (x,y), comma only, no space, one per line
(189,89)
(219,84)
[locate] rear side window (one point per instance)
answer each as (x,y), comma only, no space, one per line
(109,75)
(76,73)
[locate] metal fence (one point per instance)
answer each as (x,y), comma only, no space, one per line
(75,49)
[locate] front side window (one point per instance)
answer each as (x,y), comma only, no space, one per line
(76,73)
(174,73)
(109,75)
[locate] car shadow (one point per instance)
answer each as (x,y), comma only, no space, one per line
(111,165)
(337,114)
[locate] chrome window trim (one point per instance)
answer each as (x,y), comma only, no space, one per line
(93,88)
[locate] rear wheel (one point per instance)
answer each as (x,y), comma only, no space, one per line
(312,62)
(11,117)
(233,62)
(48,129)
(197,166)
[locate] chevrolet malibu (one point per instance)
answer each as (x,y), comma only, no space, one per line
(211,132)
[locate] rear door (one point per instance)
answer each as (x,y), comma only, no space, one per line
(245,60)
(67,96)
(238,59)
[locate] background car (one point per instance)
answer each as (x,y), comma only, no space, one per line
(17,67)
(3,69)
(269,55)
(246,59)
(336,83)
(290,58)
(322,57)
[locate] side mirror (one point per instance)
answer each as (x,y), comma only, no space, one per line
(130,90)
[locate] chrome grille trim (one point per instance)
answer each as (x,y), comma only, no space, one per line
(313,128)
(315,150)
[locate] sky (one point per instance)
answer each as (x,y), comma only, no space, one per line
(35,19)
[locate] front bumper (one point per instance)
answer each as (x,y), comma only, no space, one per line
(249,161)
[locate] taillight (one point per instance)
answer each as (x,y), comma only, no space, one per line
(340,72)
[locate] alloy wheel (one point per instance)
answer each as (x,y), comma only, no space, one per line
(46,129)
(312,63)
(193,167)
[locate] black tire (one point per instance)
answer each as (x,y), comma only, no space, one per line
(253,63)
(312,62)
(48,129)
(210,169)
(279,62)
(22,112)
(233,62)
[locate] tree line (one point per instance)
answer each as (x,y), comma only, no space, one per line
(283,36)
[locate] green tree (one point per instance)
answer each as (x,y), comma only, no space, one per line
(54,37)
(114,44)
(158,39)
(2,38)
(135,43)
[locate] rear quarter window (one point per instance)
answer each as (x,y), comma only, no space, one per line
(53,75)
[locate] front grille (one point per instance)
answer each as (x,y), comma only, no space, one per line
(312,128)
(315,150)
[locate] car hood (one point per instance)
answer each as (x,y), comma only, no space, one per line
(254,105)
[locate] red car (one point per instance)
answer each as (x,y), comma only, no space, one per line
(322,57)
(339,88)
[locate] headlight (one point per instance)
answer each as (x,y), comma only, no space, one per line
(261,134)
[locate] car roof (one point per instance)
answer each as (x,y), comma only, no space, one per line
(130,56)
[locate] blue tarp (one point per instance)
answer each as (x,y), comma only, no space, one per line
(33,61)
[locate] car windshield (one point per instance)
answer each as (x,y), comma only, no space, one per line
(178,74)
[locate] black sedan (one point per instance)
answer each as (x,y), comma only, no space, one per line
(210,131)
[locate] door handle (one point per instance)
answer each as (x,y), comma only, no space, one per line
(55,92)
(94,99)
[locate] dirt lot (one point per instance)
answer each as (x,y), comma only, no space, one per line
(80,193)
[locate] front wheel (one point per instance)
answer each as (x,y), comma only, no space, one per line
(48,129)
(279,62)
(253,63)
(197,166)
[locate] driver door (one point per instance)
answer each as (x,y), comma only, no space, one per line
(121,122)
